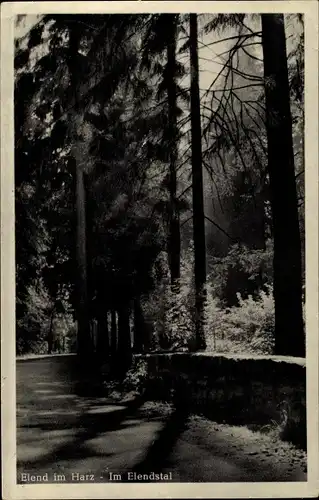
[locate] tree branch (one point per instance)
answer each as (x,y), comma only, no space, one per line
(185,221)
(220,228)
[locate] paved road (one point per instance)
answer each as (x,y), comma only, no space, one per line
(62,433)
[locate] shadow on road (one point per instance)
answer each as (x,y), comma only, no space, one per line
(157,456)
(97,419)
(60,431)
(58,428)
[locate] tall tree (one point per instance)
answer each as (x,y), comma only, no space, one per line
(174,236)
(198,198)
(85,345)
(102,342)
(113,340)
(124,339)
(289,329)
(159,58)
(139,327)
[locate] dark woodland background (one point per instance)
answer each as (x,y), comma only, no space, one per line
(153,214)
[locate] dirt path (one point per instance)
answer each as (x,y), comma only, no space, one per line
(62,433)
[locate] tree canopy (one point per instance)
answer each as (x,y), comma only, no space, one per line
(148,181)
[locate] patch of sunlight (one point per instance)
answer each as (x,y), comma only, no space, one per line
(62,384)
(105,409)
(29,452)
(44,391)
(63,396)
(48,413)
(132,422)
(57,433)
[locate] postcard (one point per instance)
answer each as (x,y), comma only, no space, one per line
(159,249)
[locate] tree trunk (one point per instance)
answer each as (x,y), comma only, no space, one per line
(84,339)
(102,344)
(113,332)
(139,328)
(124,354)
(89,241)
(50,333)
(289,330)
(198,198)
(174,249)
(124,332)
(84,344)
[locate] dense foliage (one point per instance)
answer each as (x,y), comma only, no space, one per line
(128,157)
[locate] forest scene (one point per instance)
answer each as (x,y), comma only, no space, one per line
(159,197)
(137,190)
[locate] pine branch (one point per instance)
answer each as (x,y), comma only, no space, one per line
(220,228)
(238,150)
(235,37)
(211,173)
(241,87)
(250,55)
(185,221)
(299,173)
(185,191)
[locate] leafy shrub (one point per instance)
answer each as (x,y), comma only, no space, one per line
(178,316)
(32,325)
(213,318)
(171,309)
(246,328)
(136,377)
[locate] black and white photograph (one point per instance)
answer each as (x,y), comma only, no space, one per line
(163,309)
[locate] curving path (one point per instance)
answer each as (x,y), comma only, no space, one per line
(65,437)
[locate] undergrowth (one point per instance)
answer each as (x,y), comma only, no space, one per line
(246,328)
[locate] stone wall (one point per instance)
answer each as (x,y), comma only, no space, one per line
(256,391)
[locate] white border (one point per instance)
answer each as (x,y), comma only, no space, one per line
(8,424)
